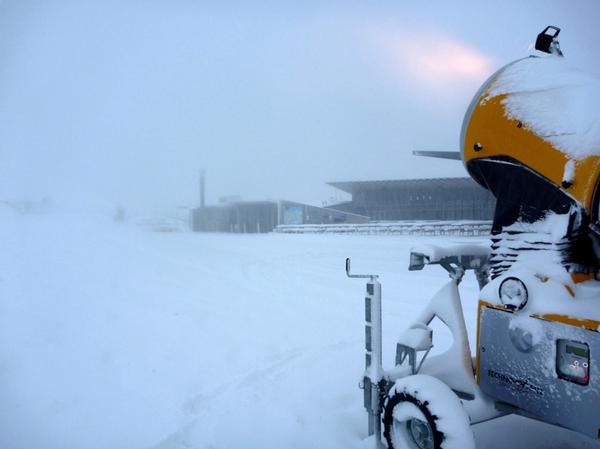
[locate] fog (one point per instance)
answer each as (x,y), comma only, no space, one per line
(124,102)
(112,337)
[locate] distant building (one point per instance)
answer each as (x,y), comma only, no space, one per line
(441,199)
(418,199)
(264,216)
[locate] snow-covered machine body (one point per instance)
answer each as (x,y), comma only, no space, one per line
(532,137)
(529,137)
(541,367)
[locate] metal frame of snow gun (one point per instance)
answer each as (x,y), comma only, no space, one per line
(454,367)
(453,261)
(502,379)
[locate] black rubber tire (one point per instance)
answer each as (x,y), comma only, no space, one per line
(423,411)
(388,418)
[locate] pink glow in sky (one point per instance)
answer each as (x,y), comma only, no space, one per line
(438,61)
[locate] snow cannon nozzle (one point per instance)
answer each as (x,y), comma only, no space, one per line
(546,41)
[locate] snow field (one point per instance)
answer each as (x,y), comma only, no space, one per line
(112,337)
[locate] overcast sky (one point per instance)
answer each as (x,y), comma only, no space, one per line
(123,102)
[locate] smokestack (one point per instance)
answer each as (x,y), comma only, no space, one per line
(201,189)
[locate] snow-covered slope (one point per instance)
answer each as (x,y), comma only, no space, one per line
(112,337)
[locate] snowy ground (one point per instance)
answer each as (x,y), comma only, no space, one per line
(116,338)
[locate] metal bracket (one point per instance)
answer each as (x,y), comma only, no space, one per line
(455,265)
(359,276)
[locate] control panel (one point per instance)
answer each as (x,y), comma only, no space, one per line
(573,361)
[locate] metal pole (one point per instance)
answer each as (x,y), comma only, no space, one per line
(374,369)
(201,192)
(373,354)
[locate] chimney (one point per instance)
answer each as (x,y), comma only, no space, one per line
(201,189)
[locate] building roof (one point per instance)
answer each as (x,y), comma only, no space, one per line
(357,186)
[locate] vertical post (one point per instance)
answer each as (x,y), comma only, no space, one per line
(279,212)
(201,189)
(373,377)
(373,357)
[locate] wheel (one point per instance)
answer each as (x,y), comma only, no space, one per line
(407,423)
(421,412)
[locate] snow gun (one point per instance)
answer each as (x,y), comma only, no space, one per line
(531,136)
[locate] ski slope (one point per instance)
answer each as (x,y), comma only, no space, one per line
(112,337)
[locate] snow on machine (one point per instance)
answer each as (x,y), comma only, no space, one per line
(532,137)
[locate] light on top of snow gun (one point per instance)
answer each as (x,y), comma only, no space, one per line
(513,293)
(546,41)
